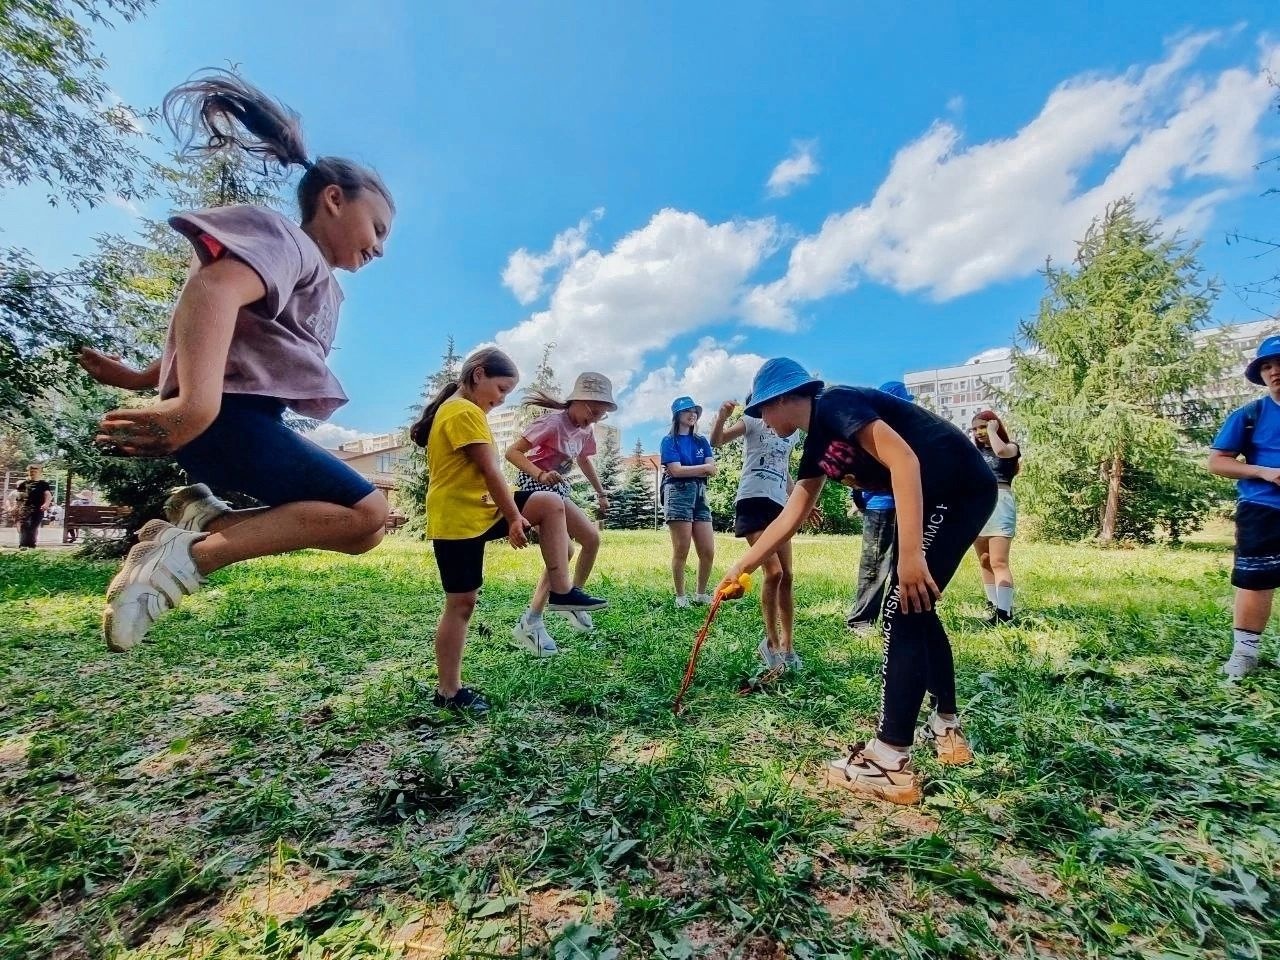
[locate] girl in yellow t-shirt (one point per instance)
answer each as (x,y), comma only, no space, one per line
(469,504)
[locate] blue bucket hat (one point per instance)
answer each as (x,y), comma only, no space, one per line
(1267,349)
(777,377)
(680,404)
(896,388)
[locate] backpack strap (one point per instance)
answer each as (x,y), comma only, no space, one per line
(1251,414)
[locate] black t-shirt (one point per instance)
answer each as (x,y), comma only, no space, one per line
(1005,468)
(948,459)
(31,496)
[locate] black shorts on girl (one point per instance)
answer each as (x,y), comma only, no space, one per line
(250,449)
(753,514)
(461,562)
(1257,557)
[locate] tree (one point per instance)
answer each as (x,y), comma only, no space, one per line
(608,464)
(59,122)
(411,483)
(1105,379)
(634,508)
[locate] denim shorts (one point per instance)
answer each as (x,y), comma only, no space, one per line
(1003,521)
(250,449)
(686,500)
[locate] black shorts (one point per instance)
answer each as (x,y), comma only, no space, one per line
(461,562)
(1257,561)
(754,514)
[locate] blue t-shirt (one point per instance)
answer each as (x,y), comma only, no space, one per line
(1264,450)
(687,449)
(880,501)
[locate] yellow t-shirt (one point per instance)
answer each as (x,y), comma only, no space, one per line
(458,503)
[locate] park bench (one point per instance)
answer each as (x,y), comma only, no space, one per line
(395,522)
(94,520)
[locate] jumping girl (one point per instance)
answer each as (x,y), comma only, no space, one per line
(762,493)
(469,505)
(943,492)
(688,463)
(992,546)
(545,454)
(248,338)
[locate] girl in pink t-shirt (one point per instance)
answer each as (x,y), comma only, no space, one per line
(545,454)
(249,338)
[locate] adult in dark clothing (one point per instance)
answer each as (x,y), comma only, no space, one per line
(35,497)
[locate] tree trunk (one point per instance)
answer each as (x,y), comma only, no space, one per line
(1112,508)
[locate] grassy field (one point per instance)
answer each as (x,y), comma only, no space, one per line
(268,777)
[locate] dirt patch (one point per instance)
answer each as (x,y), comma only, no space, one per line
(1017,875)
(13,752)
(426,936)
(166,761)
(210,705)
(641,753)
(283,894)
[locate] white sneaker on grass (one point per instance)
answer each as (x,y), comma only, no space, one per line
(534,638)
(682,602)
(158,572)
(1240,665)
(194,507)
(579,620)
(771,659)
(702,599)
(791,660)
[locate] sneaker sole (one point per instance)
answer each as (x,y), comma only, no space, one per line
(533,650)
(182,509)
(892,793)
(575,607)
(574,625)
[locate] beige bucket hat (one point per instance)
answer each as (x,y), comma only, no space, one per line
(595,387)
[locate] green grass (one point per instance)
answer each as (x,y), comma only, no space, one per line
(268,778)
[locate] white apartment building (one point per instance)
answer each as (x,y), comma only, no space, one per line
(960,391)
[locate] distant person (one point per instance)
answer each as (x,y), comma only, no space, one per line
(83,498)
(469,505)
(249,337)
(545,454)
(879,528)
(35,497)
(943,492)
(1004,457)
(762,493)
(1247,449)
(688,463)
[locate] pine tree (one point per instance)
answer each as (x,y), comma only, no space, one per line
(608,464)
(634,507)
(1105,386)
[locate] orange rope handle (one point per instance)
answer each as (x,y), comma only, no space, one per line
(693,654)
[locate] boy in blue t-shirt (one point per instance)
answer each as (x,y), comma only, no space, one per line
(1253,433)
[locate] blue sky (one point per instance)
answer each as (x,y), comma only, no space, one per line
(599,174)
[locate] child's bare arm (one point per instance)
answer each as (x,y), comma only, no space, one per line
(484,456)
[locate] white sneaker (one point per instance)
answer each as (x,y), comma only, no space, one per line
(194,507)
(579,620)
(702,599)
(157,574)
(1239,665)
(771,659)
(682,602)
(534,638)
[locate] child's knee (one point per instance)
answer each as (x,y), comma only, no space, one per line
(461,605)
(372,514)
(589,539)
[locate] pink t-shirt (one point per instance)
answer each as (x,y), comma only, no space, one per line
(281,341)
(557,441)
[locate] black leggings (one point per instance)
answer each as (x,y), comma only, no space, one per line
(917,653)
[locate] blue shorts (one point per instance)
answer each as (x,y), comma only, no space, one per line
(686,500)
(249,449)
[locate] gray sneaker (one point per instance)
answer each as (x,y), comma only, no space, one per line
(194,507)
(579,620)
(534,638)
(770,659)
(792,661)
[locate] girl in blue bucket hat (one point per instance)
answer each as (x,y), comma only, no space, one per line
(1253,433)
(943,492)
(687,464)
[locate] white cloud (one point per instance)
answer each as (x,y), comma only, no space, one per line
(526,272)
(128,206)
(794,171)
(711,376)
(949,219)
(329,435)
(669,278)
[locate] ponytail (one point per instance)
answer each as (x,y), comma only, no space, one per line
(221,111)
(491,360)
(537,397)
